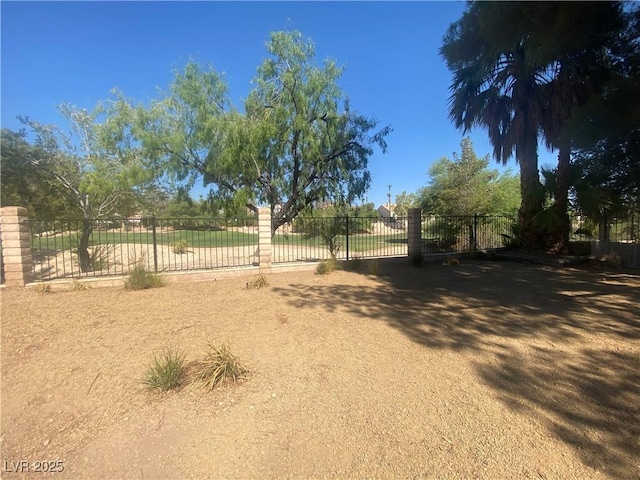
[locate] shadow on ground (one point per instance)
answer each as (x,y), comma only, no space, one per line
(588,397)
(590,400)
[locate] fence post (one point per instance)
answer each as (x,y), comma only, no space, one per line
(475,232)
(347,241)
(264,240)
(155,244)
(414,231)
(16,246)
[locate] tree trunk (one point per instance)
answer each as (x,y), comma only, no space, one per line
(557,240)
(531,193)
(84,259)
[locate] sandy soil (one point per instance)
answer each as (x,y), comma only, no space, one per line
(482,370)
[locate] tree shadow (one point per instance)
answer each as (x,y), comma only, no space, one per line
(467,307)
(485,306)
(590,399)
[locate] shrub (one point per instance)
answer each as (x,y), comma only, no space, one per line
(99,257)
(417,259)
(77,285)
(327,266)
(512,240)
(42,288)
(257,283)
(219,367)
(330,230)
(140,279)
(180,247)
(166,371)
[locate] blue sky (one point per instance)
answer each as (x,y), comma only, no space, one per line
(54,52)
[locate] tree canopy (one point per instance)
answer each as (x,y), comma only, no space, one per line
(98,182)
(25,181)
(297,142)
(465,186)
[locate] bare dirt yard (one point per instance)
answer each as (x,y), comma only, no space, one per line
(483,370)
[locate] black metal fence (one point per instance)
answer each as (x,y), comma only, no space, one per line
(77,248)
(624,228)
(617,237)
(442,234)
(113,246)
(317,238)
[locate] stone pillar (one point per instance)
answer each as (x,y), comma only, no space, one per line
(16,246)
(414,231)
(264,240)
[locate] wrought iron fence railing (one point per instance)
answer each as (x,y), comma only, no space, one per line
(441,234)
(318,238)
(624,229)
(78,248)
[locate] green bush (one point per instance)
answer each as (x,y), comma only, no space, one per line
(180,247)
(166,371)
(219,367)
(141,279)
(513,240)
(327,266)
(99,257)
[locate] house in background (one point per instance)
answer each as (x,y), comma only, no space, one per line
(386,211)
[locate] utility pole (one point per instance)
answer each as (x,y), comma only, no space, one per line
(389,202)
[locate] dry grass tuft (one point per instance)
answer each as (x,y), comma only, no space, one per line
(219,367)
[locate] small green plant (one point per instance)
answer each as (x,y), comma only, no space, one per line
(512,240)
(42,288)
(77,285)
(417,259)
(99,257)
(166,371)
(219,367)
(257,283)
(180,247)
(140,279)
(330,230)
(327,267)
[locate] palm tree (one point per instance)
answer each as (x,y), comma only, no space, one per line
(497,82)
(579,39)
(519,69)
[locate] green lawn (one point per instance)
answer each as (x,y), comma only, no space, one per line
(209,239)
(196,239)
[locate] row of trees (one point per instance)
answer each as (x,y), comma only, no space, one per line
(559,73)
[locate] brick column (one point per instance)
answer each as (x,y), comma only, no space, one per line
(414,231)
(16,246)
(264,240)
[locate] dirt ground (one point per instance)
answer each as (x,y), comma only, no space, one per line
(482,370)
